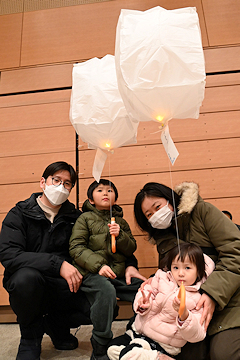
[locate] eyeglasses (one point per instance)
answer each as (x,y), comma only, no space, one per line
(67,184)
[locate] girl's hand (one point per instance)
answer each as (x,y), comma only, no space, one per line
(176,306)
(114,229)
(148,281)
(208,309)
(143,302)
(107,272)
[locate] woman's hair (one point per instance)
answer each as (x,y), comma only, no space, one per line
(152,189)
(60,166)
(195,254)
(95,184)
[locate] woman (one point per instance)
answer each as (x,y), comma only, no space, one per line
(201,223)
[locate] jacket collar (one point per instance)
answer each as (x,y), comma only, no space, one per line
(189,193)
(31,208)
(116,210)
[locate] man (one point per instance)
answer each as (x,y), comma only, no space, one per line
(42,284)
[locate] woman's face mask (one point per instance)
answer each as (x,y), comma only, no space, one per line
(162,218)
(56,195)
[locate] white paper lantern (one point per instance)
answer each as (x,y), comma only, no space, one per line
(97,111)
(160,63)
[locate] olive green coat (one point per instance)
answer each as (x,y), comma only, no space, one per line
(90,243)
(202,223)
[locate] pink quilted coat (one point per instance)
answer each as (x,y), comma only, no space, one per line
(160,321)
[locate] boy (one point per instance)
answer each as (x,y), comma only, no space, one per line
(103,271)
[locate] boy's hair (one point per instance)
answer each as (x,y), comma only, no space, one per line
(58,166)
(195,254)
(95,184)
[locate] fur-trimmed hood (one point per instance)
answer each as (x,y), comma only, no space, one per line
(189,193)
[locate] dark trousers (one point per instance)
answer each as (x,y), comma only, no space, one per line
(32,295)
(102,292)
(225,345)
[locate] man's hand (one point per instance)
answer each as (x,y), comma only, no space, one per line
(107,272)
(130,272)
(71,275)
(208,309)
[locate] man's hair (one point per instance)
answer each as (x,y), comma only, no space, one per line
(95,184)
(59,166)
(195,254)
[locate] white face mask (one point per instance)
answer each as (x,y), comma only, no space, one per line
(162,218)
(56,195)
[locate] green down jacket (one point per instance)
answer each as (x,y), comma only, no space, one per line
(202,223)
(90,243)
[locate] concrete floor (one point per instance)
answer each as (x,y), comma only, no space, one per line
(10,337)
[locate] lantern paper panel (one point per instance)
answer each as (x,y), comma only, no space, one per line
(97,111)
(160,63)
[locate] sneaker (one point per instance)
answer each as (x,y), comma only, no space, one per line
(60,342)
(29,349)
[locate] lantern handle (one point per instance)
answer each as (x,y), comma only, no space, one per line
(113,239)
(182,298)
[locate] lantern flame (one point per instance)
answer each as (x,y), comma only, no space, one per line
(159,118)
(108,145)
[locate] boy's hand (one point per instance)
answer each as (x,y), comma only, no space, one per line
(71,275)
(114,229)
(107,272)
(176,306)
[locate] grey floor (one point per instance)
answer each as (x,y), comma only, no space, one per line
(10,336)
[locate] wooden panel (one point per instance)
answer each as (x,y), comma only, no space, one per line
(153,158)
(40,141)
(34,116)
(10,40)
(7,315)
(35,98)
(222,59)
(29,169)
(1,269)
(222,21)
(4,297)
(68,34)
(221,99)
(146,253)
(38,78)
(223,79)
(57,76)
(147,272)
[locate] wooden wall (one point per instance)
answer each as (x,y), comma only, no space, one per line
(37,49)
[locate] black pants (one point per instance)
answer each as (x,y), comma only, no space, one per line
(32,295)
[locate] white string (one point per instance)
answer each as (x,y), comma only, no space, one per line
(110,185)
(174,207)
